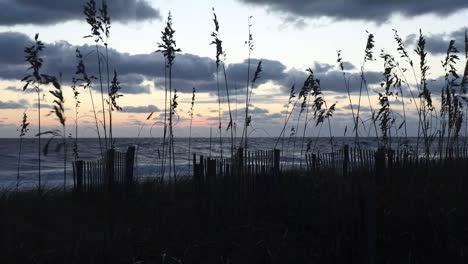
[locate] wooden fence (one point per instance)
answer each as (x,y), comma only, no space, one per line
(114,171)
(372,198)
(342,161)
(359,204)
(349,159)
(243,180)
(249,175)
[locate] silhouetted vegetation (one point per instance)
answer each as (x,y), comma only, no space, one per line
(352,205)
(23,130)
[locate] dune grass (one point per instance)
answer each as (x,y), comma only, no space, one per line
(403,214)
(417,216)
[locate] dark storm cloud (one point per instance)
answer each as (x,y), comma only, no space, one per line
(133,84)
(14,105)
(46,12)
(348,66)
(271,70)
(185,86)
(140,109)
(438,43)
(43,106)
(252,111)
(322,67)
(20,90)
(362,108)
(435,86)
(333,80)
(203,75)
(260,116)
(377,11)
(189,70)
(340,97)
(12,47)
(295,21)
(276,72)
(12,89)
(330,80)
(59,57)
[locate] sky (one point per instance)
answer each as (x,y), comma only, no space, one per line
(289,37)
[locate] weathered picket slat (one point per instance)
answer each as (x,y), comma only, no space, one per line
(116,169)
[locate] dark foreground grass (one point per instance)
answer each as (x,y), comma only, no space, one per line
(321,218)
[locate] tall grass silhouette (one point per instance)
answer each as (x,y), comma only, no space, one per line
(340,62)
(77,102)
(287,115)
(58,109)
(289,212)
(85,81)
(35,80)
(168,48)
(447,126)
(250,46)
(191,113)
(96,23)
(220,61)
(368,56)
(23,130)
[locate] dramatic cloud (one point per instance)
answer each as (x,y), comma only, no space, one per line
(252,111)
(133,70)
(270,70)
(333,80)
(140,109)
(273,71)
(438,43)
(340,97)
(362,108)
(12,47)
(12,89)
(378,11)
(14,105)
(330,78)
(43,106)
(322,67)
(133,84)
(295,21)
(21,12)
(260,118)
(20,90)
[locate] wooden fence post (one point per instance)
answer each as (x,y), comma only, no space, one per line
(240,156)
(370,206)
(211,184)
(202,174)
(211,175)
(79,175)
(276,181)
(198,175)
(239,181)
(197,190)
(129,162)
(109,173)
(345,161)
(195,170)
(276,161)
(314,163)
(380,164)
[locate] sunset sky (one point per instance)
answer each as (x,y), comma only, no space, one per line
(289,37)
